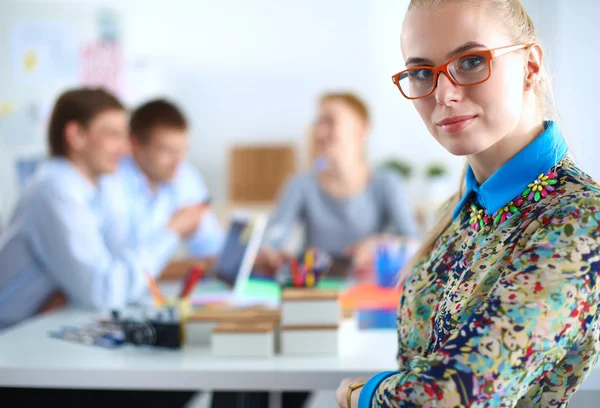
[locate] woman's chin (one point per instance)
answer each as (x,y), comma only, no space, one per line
(461,151)
(463,147)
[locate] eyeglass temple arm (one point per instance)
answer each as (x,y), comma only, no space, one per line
(505,50)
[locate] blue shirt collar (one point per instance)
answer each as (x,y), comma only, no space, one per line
(510,180)
(133,170)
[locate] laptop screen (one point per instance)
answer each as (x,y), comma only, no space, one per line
(236,244)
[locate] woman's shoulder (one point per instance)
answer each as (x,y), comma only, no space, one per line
(577,196)
(576,186)
(302,181)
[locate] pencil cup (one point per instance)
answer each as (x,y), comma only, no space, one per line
(183,307)
(390,258)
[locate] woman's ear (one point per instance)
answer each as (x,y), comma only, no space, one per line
(367,129)
(364,129)
(533,69)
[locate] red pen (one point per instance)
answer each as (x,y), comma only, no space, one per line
(185,281)
(195,273)
(296,278)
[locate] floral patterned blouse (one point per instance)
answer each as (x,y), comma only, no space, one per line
(504,312)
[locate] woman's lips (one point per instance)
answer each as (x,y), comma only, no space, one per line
(456,123)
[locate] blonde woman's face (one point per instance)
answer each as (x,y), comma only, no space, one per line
(482,114)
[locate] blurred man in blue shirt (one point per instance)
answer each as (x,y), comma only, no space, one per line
(62,238)
(156,181)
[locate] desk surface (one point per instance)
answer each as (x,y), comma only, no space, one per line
(30,358)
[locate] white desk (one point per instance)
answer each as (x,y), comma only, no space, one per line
(30,358)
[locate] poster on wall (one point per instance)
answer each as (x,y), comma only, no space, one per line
(42,51)
(102,66)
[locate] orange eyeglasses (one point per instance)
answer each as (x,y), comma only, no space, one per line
(468,69)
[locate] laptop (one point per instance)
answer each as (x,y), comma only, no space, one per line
(234,264)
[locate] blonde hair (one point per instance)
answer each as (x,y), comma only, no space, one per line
(520,27)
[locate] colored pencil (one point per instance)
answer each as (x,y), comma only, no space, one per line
(158,297)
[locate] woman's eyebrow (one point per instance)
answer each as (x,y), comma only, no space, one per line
(459,50)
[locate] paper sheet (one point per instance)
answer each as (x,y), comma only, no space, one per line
(102,65)
(42,51)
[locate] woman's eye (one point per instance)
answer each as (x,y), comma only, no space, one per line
(470,62)
(421,74)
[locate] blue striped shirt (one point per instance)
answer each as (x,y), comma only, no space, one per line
(62,237)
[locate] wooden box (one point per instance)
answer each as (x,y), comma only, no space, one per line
(309,306)
(200,324)
(309,340)
(235,339)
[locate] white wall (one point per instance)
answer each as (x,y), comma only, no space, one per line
(570,31)
(576,81)
(255,76)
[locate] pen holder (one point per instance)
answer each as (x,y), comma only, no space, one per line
(179,310)
(307,271)
(183,306)
(386,274)
(389,260)
(303,278)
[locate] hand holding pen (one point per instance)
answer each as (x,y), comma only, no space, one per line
(186,220)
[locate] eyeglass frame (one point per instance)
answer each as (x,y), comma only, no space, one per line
(489,55)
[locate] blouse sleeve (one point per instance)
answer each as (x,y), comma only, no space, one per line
(544,302)
(288,212)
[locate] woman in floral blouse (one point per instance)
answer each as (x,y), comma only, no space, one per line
(500,305)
